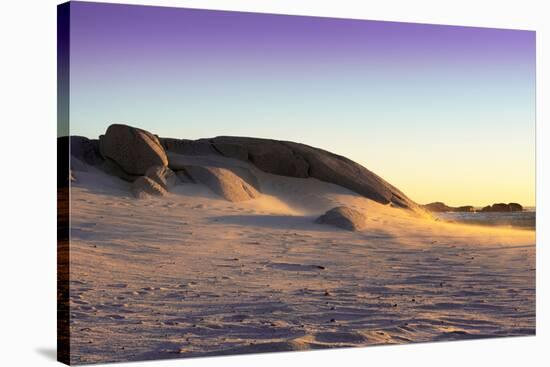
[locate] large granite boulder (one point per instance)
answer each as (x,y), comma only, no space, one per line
(345,218)
(297,160)
(112,168)
(223,182)
(134,150)
(144,187)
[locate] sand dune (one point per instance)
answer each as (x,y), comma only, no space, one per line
(192,274)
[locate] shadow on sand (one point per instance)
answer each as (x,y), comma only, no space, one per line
(289,222)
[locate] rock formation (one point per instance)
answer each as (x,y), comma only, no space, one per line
(130,153)
(162,175)
(144,186)
(343,217)
(134,150)
(438,207)
(296,160)
(502,207)
(223,182)
(84,149)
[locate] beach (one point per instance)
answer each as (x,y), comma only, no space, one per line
(191,274)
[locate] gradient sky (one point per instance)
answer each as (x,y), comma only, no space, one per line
(444,113)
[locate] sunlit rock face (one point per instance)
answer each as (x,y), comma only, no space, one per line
(296,160)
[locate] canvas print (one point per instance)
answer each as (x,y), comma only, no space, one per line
(235,182)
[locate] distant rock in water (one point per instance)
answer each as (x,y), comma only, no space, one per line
(515,207)
(134,150)
(502,207)
(223,182)
(439,207)
(344,217)
(296,160)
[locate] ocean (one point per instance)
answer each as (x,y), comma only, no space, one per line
(525,219)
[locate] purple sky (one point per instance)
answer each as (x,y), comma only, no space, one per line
(386,94)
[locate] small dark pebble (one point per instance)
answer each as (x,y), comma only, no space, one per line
(395,305)
(332,320)
(320,267)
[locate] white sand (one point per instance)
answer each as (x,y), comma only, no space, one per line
(190,274)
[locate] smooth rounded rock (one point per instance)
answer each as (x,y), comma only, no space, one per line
(134,150)
(344,217)
(223,182)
